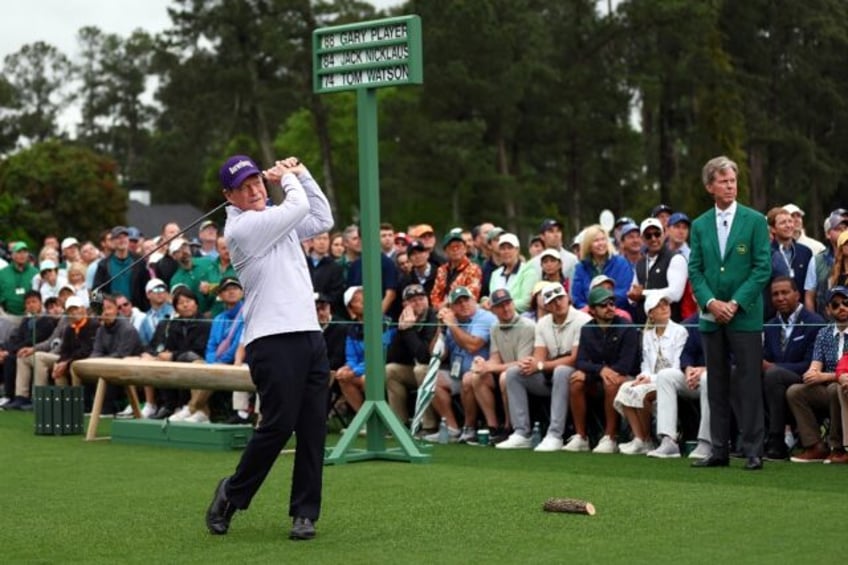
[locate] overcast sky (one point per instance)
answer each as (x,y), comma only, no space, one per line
(57,21)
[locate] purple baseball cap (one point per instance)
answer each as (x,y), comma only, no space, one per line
(235,170)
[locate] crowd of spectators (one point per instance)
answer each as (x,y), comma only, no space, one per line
(181,302)
(594,336)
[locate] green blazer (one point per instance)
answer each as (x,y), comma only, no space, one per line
(740,275)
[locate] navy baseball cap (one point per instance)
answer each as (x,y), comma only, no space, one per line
(627,228)
(500,296)
(549,223)
(678,217)
(660,208)
(416,246)
(837,290)
(134,233)
(235,170)
(623,220)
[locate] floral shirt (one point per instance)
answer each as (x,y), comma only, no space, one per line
(466,274)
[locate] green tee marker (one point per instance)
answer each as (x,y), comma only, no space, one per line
(365,56)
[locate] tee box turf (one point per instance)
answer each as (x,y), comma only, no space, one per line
(187,435)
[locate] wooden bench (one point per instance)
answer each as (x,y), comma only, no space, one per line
(132,371)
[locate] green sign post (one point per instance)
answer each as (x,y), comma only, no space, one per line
(363,57)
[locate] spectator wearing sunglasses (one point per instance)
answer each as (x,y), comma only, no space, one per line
(547,371)
(127,310)
(608,356)
(818,396)
(660,271)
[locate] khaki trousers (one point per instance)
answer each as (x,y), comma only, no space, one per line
(809,402)
(400,379)
(39,365)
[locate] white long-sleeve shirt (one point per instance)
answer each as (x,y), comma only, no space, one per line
(267,254)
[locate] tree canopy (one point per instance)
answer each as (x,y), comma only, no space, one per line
(59,188)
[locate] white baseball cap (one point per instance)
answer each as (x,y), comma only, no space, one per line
(74,302)
(792,209)
(69,242)
(175,245)
(154,284)
(552,253)
(348,294)
(509,238)
(650,223)
(652,299)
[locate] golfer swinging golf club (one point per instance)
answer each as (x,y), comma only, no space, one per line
(285,349)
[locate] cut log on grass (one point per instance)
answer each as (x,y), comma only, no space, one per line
(569,505)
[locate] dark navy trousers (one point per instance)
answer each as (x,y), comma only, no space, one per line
(291,374)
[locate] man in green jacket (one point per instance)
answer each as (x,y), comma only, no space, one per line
(16,280)
(729,265)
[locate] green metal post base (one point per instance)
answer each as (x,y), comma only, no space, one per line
(379,419)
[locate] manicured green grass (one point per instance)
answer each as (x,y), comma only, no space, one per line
(68,501)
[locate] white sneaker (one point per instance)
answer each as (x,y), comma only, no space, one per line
(126,412)
(576,443)
(636,447)
(453,434)
(148,410)
(703,450)
(198,417)
(515,441)
(668,449)
(549,443)
(180,415)
(468,435)
(4,400)
(627,446)
(606,445)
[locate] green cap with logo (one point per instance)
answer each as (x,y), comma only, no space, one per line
(459,292)
(599,294)
(454,235)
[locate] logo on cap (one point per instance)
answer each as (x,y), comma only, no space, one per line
(459,292)
(239,165)
(500,296)
(413,290)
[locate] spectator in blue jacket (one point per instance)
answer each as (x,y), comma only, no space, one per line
(597,258)
(351,376)
(224,338)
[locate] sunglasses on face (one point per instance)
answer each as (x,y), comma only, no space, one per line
(608,303)
(835,304)
(553,293)
(652,235)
